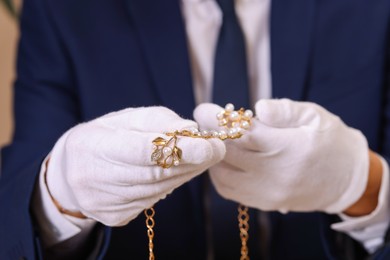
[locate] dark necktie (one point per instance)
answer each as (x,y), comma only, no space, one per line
(230,85)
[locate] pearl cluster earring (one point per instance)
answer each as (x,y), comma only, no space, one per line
(165,152)
(235,122)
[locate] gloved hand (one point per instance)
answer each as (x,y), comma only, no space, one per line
(103,168)
(297,156)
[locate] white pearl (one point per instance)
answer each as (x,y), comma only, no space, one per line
(167,151)
(214,133)
(176,162)
(222,134)
(220,115)
(234,116)
(194,130)
(232,132)
(248,113)
(245,124)
(229,107)
(205,133)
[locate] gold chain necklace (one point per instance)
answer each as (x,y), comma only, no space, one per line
(166,154)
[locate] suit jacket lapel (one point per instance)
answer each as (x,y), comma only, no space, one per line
(291,34)
(167,54)
(162,34)
(161,29)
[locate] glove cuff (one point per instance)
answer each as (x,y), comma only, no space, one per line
(76,214)
(56,182)
(360,164)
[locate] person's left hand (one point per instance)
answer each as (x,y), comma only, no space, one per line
(297,156)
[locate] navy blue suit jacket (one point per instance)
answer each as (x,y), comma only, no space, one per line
(81,59)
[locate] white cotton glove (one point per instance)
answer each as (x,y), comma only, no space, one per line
(103,168)
(296,157)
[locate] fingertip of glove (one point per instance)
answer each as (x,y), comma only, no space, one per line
(213,151)
(200,151)
(274,112)
(219,149)
(205,114)
(266,107)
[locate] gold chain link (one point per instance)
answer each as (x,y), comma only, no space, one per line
(243,224)
(149,213)
(226,121)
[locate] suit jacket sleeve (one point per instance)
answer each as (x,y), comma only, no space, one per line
(45,106)
(384,252)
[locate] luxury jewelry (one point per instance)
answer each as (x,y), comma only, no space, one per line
(234,121)
(149,214)
(165,152)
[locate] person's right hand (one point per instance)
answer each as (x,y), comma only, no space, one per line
(103,168)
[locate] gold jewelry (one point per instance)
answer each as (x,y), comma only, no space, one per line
(235,121)
(243,225)
(166,154)
(149,213)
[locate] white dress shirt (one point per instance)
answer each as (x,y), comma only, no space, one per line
(203,19)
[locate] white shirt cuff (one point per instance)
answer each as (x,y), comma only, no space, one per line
(54,226)
(370,230)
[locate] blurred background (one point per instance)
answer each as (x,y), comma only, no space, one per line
(8,44)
